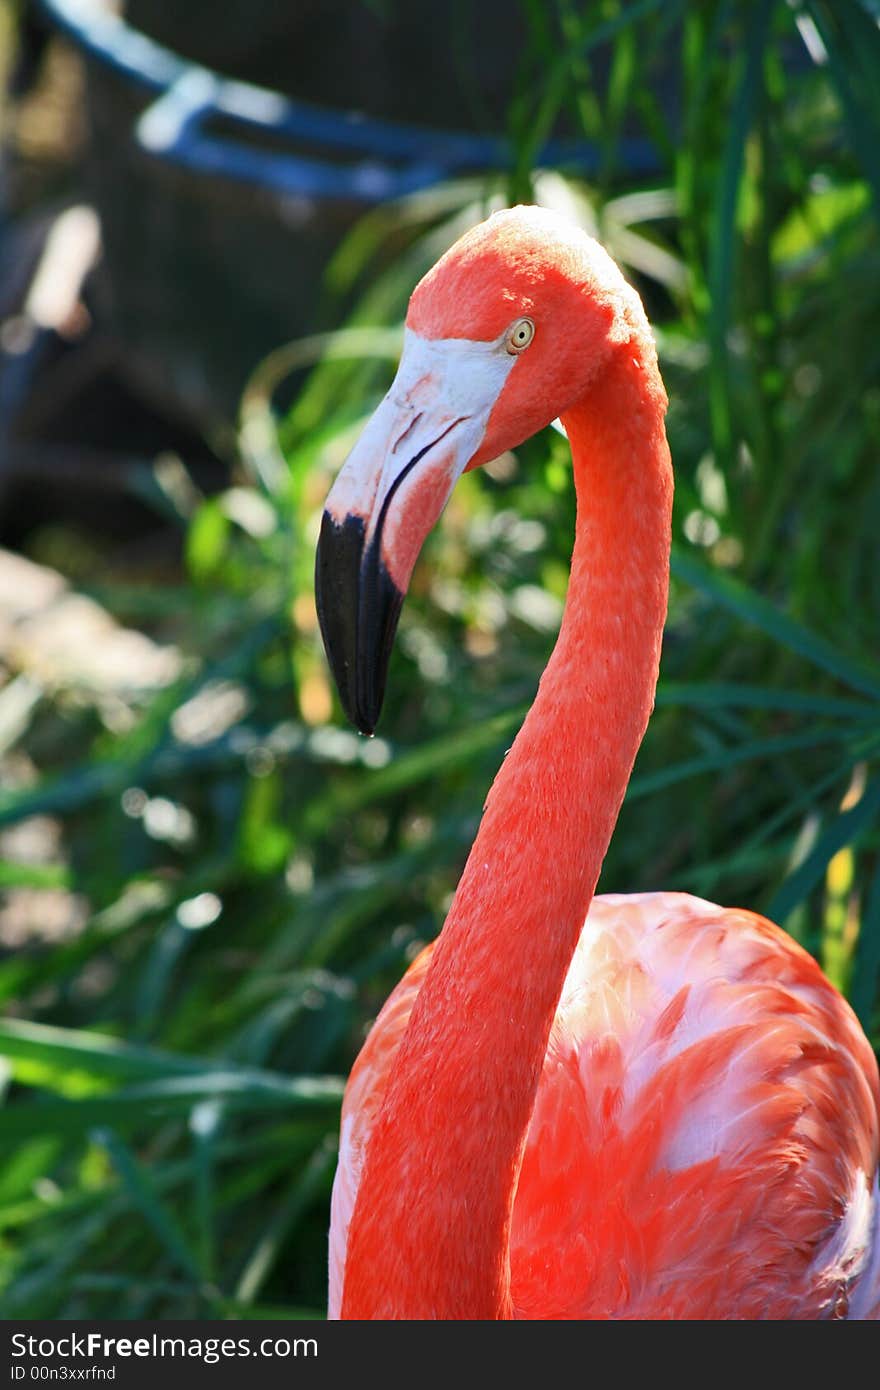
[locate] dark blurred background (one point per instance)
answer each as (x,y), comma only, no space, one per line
(211,218)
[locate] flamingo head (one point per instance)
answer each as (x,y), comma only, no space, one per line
(506,332)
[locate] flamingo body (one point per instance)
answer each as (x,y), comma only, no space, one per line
(575,1106)
(703,1142)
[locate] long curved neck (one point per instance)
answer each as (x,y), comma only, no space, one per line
(429,1234)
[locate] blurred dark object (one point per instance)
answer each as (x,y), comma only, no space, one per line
(436,64)
(221,203)
(76,441)
(220,200)
(30,48)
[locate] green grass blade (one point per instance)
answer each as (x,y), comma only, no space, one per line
(268,1246)
(852,44)
(138,1107)
(221,1306)
(96,1054)
(738,599)
(144,1198)
(718,694)
(843,830)
(753,750)
(866,972)
(204,1124)
(722,271)
(412,767)
(14,875)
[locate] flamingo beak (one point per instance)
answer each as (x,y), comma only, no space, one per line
(388,495)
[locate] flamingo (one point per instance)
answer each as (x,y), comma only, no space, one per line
(575,1106)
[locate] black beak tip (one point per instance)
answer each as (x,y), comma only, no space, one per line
(337,575)
(358,608)
(363,720)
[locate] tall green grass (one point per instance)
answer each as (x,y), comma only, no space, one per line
(255,876)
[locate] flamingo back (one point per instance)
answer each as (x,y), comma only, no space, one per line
(704,1140)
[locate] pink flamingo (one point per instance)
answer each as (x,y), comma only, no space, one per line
(573,1106)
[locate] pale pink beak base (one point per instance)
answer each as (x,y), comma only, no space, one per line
(390,492)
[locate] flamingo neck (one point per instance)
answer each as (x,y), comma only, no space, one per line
(430,1231)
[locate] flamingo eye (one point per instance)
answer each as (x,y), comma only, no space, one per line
(519,335)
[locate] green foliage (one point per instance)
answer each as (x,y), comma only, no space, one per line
(256,877)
